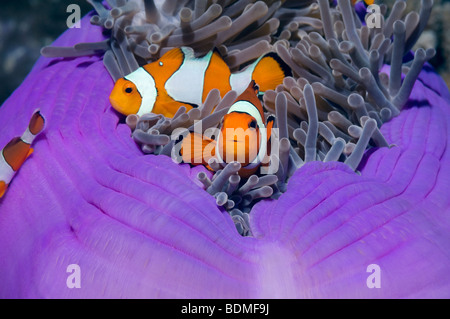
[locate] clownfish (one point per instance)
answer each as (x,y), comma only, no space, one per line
(243,137)
(14,154)
(179,78)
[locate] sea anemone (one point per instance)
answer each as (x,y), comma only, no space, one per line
(140,225)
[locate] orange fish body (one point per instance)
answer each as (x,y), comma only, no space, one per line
(179,78)
(243,137)
(14,154)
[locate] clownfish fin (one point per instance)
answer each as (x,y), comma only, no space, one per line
(3,188)
(30,152)
(169,107)
(197,149)
(270,71)
(175,54)
(269,125)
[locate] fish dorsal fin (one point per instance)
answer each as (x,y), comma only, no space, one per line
(161,70)
(175,54)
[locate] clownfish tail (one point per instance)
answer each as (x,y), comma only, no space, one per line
(269,72)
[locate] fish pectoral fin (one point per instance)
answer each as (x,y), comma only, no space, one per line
(187,105)
(169,107)
(197,149)
(30,152)
(3,188)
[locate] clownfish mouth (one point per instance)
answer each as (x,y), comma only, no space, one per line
(116,105)
(120,107)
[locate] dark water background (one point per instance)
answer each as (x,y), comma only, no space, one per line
(28,25)
(25,27)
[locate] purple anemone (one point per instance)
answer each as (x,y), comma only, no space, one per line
(142,226)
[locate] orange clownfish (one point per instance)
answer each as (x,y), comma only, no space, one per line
(14,154)
(179,78)
(243,137)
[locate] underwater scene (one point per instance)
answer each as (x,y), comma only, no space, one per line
(225,149)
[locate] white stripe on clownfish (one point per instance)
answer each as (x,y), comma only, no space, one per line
(27,136)
(146,87)
(239,81)
(6,171)
(193,69)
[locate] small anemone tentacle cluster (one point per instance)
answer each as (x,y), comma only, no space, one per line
(330,109)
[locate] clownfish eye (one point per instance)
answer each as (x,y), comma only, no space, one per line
(252,124)
(128,88)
